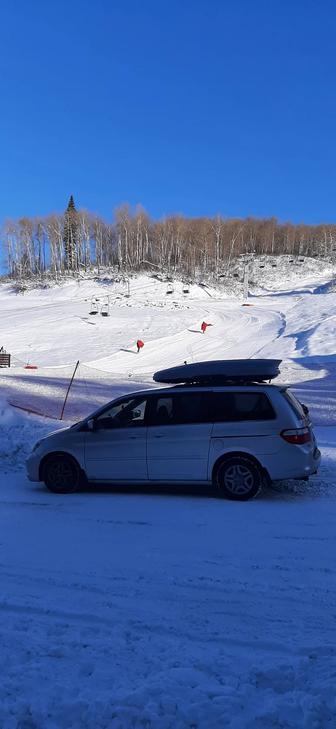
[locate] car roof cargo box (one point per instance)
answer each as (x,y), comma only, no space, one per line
(221,371)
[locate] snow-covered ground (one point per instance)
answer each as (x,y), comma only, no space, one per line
(168,610)
(164,610)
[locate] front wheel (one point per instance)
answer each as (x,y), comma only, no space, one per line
(238,478)
(61,474)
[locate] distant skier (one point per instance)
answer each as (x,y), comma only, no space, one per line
(204,326)
(139,344)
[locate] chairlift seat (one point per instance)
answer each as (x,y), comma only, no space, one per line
(94,306)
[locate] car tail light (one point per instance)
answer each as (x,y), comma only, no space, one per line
(298,436)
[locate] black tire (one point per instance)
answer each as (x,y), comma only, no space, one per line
(61,474)
(238,478)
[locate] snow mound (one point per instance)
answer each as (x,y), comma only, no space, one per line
(18,433)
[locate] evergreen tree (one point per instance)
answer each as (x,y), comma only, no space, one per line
(70,236)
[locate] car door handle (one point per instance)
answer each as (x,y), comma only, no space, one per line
(133,437)
(160,435)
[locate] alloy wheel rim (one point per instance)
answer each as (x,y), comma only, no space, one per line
(61,475)
(238,479)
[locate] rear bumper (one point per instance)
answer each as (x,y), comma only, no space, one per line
(317,455)
(316,461)
(311,466)
(296,462)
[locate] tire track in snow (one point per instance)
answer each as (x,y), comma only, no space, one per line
(281,332)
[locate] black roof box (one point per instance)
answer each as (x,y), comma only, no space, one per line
(221,371)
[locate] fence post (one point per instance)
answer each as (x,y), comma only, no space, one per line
(68,390)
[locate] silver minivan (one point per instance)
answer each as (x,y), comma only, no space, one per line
(234,437)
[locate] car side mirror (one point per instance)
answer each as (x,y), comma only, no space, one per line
(91,424)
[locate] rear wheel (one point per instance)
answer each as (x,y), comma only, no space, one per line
(61,474)
(238,478)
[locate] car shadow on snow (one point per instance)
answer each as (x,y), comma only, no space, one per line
(281,491)
(160,489)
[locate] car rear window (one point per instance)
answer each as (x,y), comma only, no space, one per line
(239,406)
(294,404)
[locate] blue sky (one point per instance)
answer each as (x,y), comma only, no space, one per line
(187,106)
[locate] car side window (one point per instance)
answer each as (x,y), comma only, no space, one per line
(240,406)
(125,414)
(179,409)
(162,411)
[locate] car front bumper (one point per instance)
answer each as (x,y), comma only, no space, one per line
(33,467)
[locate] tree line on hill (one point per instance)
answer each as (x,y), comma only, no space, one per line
(78,240)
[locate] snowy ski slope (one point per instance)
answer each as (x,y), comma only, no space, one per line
(165,610)
(53,328)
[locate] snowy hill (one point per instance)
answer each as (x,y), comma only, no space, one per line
(165,610)
(53,328)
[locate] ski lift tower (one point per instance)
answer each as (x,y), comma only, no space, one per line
(246,280)
(248,264)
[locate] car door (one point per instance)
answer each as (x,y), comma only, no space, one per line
(178,437)
(244,420)
(116,447)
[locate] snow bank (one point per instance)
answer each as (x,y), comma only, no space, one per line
(18,433)
(291,695)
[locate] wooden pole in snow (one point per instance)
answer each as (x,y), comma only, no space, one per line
(68,390)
